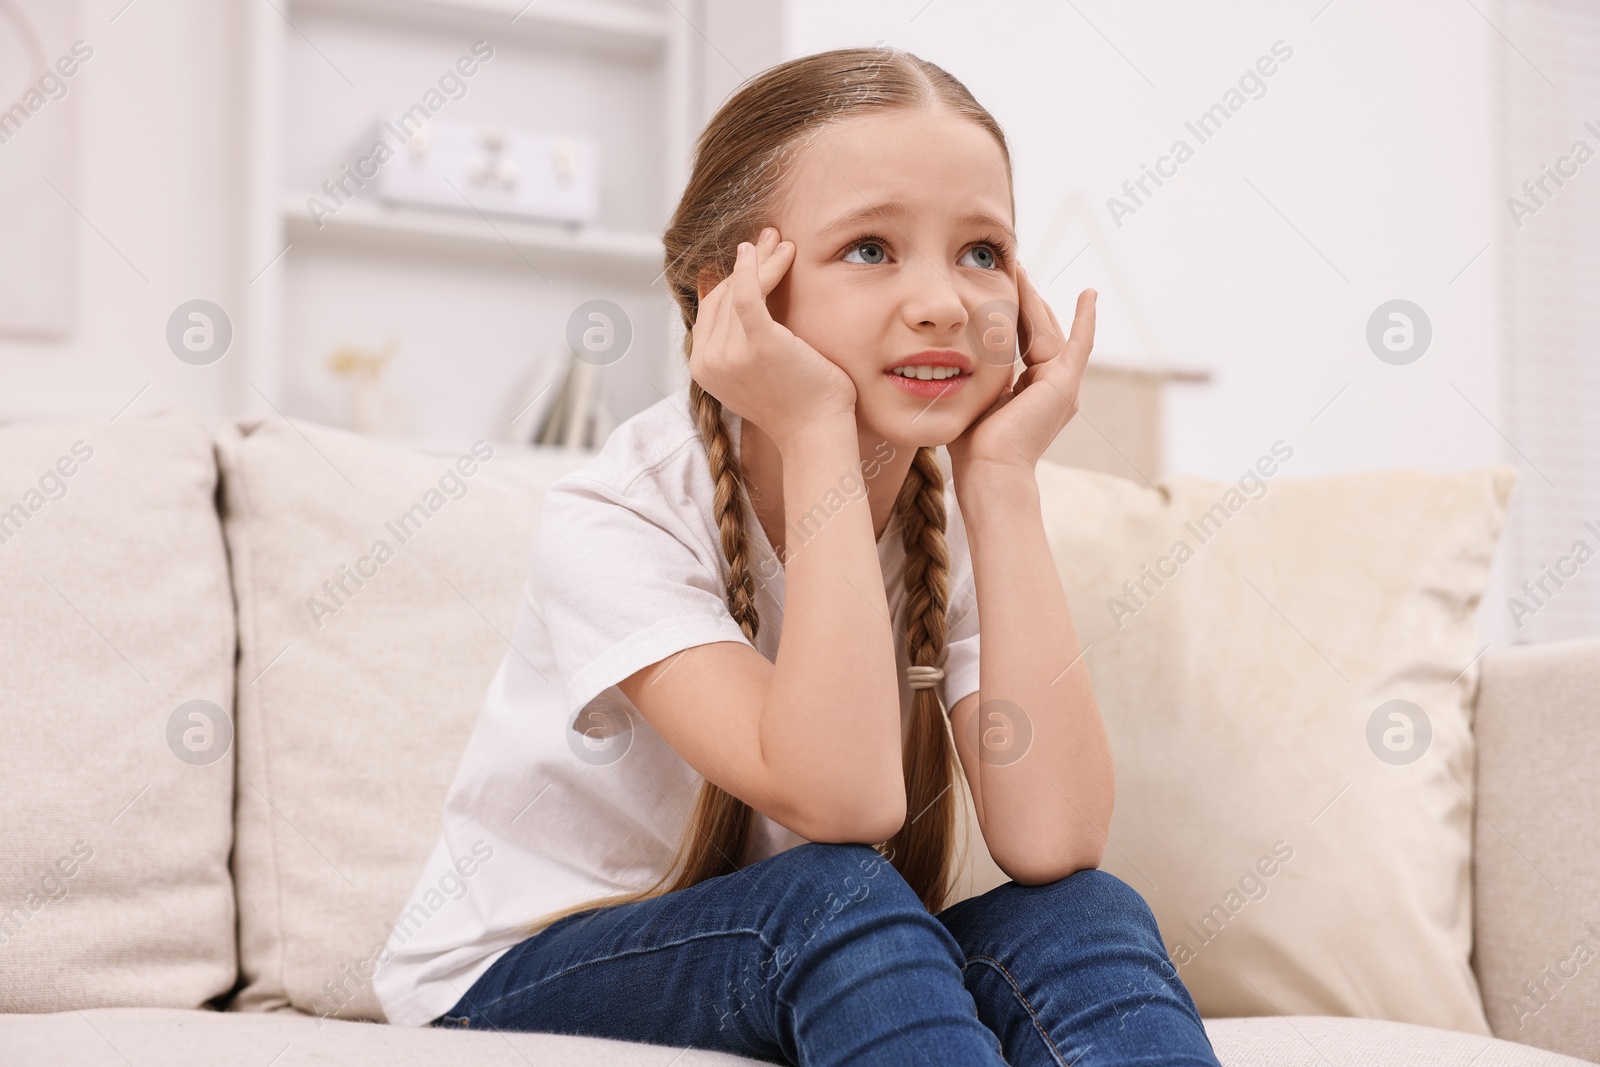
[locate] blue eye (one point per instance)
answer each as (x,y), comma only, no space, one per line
(988,254)
(867,242)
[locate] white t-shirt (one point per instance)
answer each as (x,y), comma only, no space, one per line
(564,792)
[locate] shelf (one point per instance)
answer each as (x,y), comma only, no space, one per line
(366,222)
(1111,365)
(588,58)
(594,24)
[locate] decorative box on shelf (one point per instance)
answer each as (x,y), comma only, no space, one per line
(477,167)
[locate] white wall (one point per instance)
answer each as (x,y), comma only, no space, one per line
(1373,141)
(159,169)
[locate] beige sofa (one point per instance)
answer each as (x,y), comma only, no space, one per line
(229,725)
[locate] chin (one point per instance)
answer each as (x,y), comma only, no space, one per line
(903,428)
(907,420)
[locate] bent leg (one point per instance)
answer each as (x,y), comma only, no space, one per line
(1074,972)
(821,954)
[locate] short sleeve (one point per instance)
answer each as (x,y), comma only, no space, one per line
(961,629)
(621,582)
(961,645)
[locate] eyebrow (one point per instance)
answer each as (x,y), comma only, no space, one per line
(897,209)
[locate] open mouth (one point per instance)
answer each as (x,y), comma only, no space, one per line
(928,382)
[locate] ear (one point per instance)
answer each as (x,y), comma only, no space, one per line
(706,281)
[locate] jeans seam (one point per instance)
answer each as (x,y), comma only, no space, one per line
(1017,991)
(612,958)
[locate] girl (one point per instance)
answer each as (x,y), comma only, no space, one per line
(759,598)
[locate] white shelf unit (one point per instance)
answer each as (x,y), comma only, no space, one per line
(604,25)
(476,304)
(378,227)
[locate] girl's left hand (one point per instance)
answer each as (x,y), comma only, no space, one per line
(1018,427)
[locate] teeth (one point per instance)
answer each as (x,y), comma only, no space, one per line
(927,373)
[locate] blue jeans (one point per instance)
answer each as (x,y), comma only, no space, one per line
(823,955)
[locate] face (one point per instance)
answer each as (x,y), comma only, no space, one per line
(904,245)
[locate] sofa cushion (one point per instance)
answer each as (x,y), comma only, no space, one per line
(375,586)
(1239,697)
(1303,852)
(1538,870)
(117,1037)
(1324,1041)
(117,641)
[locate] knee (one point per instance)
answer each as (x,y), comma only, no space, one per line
(1080,915)
(1091,897)
(818,884)
(837,874)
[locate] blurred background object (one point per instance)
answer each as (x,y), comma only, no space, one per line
(373,408)
(1548,257)
(471,169)
(1269,198)
(578,417)
(38,250)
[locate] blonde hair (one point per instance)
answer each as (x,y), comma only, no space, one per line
(736,187)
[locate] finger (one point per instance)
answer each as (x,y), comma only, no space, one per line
(1081,341)
(775,264)
(746,295)
(744,282)
(727,308)
(1056,323)
(712,325)
(714,349)
(1043,332)
(727,342)
(711,309)
(1024,327)
(1034,374)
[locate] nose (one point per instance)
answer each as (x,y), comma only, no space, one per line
(931,300)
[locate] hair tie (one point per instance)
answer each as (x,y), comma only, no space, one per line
(924,677)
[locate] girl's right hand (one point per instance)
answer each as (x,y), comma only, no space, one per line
(753,364)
